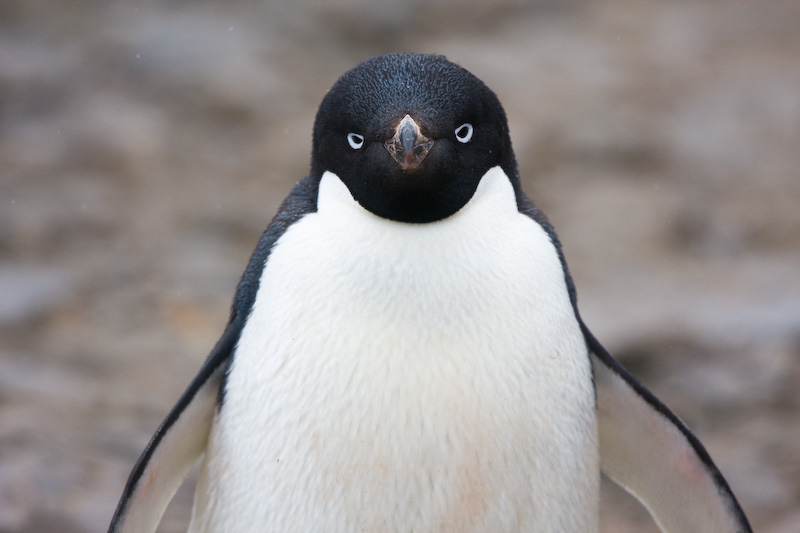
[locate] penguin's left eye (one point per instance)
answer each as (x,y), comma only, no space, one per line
(464,133)
(355,140)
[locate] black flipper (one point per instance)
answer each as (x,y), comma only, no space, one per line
(175,448)
(649,452)
(644,447)
(181,439)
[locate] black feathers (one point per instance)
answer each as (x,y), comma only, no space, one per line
(372,98)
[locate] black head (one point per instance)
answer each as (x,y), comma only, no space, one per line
(411,135)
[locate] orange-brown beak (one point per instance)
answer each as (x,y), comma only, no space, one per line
(408,147)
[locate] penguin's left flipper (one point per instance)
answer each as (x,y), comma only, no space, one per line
(648,451)
(175,448)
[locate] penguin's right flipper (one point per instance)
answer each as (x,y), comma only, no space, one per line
(648,451)
(181,439)
(175,448)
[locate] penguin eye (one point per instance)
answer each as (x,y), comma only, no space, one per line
(355,140)
(464,133)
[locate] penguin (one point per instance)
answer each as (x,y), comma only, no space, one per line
(405,352)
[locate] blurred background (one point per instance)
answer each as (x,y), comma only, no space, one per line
(144,147)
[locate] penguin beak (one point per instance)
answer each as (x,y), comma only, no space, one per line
(408,147)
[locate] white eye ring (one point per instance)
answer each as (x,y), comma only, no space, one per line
(464,133)
(355,140)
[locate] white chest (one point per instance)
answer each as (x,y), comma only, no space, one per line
(400,377)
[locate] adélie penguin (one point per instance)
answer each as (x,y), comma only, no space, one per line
(405,352)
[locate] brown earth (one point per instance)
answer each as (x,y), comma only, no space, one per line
(144,147)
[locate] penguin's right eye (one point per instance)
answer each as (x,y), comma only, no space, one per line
(355,140)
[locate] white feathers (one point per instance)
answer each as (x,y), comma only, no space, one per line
(407,377)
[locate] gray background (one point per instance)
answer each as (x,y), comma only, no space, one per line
(144,146)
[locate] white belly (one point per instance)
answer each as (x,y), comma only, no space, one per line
(402,377)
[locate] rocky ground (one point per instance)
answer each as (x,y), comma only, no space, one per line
(144,147)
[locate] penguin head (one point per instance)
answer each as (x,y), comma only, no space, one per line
(411,135)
